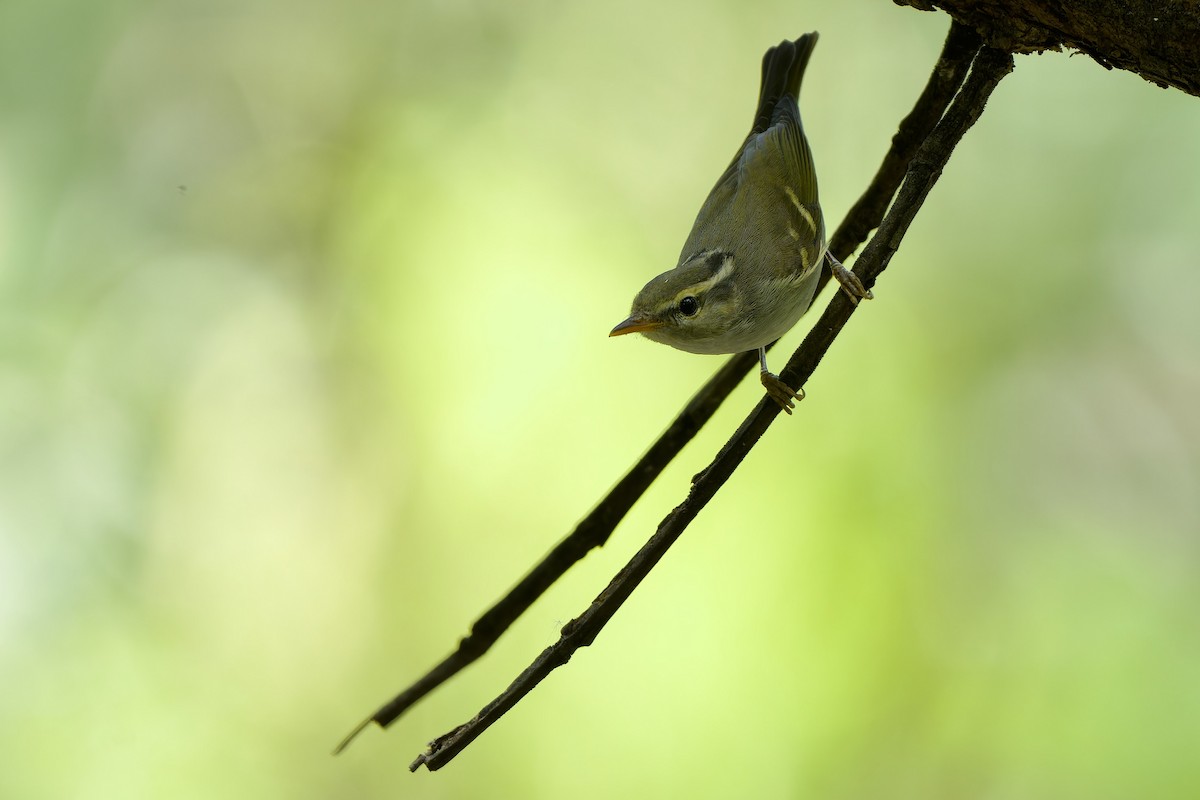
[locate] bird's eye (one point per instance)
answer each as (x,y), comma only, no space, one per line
(688,306)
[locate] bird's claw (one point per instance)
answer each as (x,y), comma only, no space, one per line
(850,283)
(780,392)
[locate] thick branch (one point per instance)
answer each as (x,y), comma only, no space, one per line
(988,68)
(594,530)
(1159,41)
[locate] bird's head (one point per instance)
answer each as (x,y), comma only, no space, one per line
(695,307)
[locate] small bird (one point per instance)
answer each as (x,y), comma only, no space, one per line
(749,268)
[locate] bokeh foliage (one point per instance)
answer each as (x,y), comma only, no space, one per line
(304,362)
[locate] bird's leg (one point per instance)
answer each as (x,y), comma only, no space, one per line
(779,391)
(849,282)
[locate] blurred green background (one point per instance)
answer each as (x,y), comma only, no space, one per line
(304,314)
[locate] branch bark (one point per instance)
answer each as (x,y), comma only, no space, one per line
(594,530)
(1158,41)
(987,69)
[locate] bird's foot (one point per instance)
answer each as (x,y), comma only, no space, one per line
(850,283)
(780,392)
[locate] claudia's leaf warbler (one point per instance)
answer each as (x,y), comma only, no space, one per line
(749,269)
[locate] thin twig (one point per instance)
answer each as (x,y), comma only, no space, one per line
(591,532)
(948,73)
(987,69)
(594,530)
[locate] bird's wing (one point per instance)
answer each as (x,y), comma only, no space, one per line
(782,150)
(774,152)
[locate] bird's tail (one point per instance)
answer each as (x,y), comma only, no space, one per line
(782,71)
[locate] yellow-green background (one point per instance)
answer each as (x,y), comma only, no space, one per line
(304,361)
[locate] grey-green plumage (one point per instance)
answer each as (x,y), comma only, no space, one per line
(749,268)
(774,155)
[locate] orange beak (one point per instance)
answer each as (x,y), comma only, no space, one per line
(635,325)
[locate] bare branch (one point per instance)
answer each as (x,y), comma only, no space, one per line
(987,69)
(593,531)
